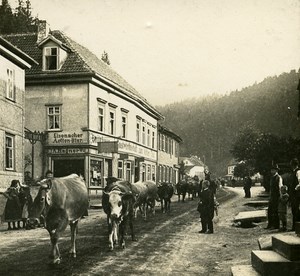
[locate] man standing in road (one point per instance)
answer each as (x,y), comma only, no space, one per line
(275,185)
(294,191)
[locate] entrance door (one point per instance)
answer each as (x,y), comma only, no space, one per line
(66,166)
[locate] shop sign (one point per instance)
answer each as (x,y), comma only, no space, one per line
(70,151)
(108,146)
(136,149)
(66,138)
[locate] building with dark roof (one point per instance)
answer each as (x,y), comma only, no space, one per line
(13,62)
(97,124)
(193,166)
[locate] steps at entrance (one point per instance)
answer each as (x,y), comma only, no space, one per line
(243,270)
(269,263)
(287,246)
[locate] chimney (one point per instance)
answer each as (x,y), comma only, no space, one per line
(43,30)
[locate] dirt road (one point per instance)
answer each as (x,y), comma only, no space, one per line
(168,244)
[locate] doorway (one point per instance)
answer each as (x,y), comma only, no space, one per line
(65,167)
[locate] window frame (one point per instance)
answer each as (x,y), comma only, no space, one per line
(112,122)
(54,115)
(10,84)
(124,126)
(45,56)
(128,173)
(101,117)
(138,130)
(12,150)
(120,169)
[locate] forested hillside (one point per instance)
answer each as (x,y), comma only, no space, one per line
(210,125)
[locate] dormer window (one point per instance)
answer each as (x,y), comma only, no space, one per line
(51,58)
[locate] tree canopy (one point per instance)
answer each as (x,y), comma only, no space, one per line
(210,126)
(18,21)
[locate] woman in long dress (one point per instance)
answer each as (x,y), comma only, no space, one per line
(13,210)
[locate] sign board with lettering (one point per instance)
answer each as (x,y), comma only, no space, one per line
(66,151)
(65,138)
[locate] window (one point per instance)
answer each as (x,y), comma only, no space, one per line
(148,172)
(153,139)
(148,137)
(163,142)
(10,85)
(9,152)
(51,58)
(112,122)
(101,118)
(124,126)
(128,171)
(138,130)
(153,173)
(54,117)
(144,134)
(120,169)
(144,172)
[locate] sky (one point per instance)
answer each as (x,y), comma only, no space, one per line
(172,50)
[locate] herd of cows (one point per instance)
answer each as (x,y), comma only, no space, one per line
(63,201)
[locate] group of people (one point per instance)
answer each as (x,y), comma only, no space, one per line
(283,194)
(16,210)
(207,205)
(16,207)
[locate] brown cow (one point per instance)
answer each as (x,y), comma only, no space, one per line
(146,194)
(62,201)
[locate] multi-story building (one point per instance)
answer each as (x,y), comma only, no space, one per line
(96,124)
(13,62)
(168,156)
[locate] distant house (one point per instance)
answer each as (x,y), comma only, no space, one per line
(13,63)
(96,123)
(193,166)
(230,168)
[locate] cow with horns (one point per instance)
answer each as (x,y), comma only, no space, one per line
(61,201)
(118,202)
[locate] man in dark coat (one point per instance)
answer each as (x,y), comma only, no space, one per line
(247,186)
(207,208)
(275,184)
(294,191)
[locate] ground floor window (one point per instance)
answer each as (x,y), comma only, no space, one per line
(128,171)
(9,151)
(95,170)
(120,169)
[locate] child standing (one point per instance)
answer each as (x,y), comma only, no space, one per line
(282,207)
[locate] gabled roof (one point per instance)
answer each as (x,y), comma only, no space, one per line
(194,160)
(80,61)
(15,55)
(167,131)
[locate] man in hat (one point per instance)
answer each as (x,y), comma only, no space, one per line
(294,191)
(275,184)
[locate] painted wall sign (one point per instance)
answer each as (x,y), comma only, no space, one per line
(71,151)
(66,138)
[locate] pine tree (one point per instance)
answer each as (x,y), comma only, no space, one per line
(7,18)
(19,21)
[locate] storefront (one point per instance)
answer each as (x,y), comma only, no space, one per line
(97,157)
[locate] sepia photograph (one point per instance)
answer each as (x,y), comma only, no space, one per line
(150,137)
